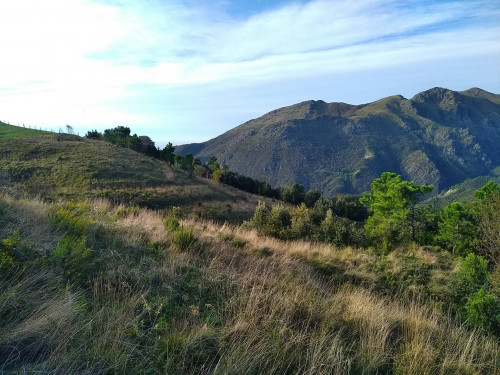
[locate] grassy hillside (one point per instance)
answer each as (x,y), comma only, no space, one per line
(111,263)
(59,166)
(438,137)
(11,131)
(133,298)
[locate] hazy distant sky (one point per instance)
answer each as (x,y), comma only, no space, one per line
(188,70)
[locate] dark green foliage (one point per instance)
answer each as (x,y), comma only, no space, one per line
(456,229)
(489,189)
(295,194)
(334,229)
(390,206)
(167,154)
(245,183)
(483,310)
(486,211)
(213,164)
(278,222)
(73,258)
(93,134)
(471,276)
(346,205)
(311,197)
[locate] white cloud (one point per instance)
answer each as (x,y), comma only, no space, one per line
(86,61)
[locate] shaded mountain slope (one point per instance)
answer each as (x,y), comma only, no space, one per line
(439,137)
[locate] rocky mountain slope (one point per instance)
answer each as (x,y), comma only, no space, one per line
(438,137)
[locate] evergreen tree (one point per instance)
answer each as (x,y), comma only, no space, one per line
(390,206)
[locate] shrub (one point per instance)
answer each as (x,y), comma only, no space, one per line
(184,237)
(73,257)
(483,310)
(301,222)
(8,246)
(279,221)
(171,224)
(70,217)
(259,219)
(471,276)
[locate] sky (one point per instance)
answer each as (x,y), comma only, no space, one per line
(185,71)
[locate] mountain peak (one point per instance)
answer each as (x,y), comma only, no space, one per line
(438,137)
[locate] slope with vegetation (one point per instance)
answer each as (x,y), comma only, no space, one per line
(438,137)
(57,166)
(110,266)
(97,288)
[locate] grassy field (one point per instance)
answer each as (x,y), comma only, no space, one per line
(64,166)
(12,131)
(137,299)
(112,262)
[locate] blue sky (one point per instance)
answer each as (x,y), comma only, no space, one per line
(188,70)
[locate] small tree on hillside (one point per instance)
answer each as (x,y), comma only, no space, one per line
(390,206)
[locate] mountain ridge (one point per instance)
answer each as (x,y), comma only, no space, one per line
(439,137)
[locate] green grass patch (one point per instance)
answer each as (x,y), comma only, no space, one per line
(13,132)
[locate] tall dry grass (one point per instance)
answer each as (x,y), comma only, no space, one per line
(218,307)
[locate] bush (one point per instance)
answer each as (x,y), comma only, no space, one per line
(483,310)
(8,247)
(184,237)
(278,222)
(301,226)
(259,219)
(470,277)
(73,258)
(70,217)
(171,224)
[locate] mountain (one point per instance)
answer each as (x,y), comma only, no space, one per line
(439,137)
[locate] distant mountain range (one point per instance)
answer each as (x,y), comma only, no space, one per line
(440,137)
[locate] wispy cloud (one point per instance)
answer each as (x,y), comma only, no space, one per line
(86,61)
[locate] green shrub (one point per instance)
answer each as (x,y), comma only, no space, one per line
(483,310)
(279,221)
(70,217)
(302,226)
(171,224)
(8,247)
(470,277)
(259,219)
(73,258)
(456,229)
(184,237)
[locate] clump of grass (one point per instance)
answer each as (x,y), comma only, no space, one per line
(184,237)
(171,224)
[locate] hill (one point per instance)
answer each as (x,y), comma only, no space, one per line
(438,137)
(99,274)
(66,166)
(11,131)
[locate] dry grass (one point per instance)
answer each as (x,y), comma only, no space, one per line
(222,308)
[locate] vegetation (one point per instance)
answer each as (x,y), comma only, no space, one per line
(142,304)
(439,137)
(12,132)
(99,276)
